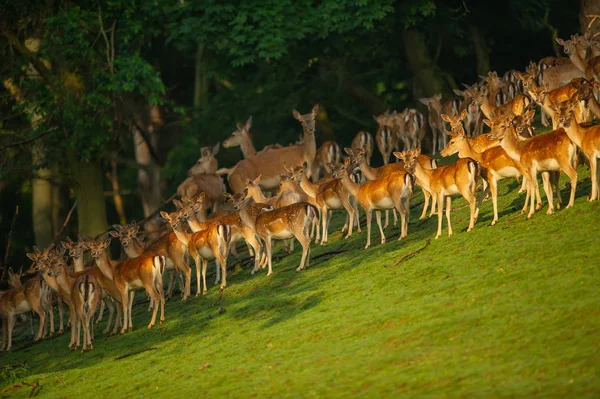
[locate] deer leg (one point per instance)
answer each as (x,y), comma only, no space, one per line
(395,216)
(387,218)
(100,312)
(349,213)
(111,311)
(171,286)
(59,305)
(204,267)
(434,202)
(494,190)
(37,308)
(369,213)
(403,226)
(4,331)
(572,173)
(125,304)
(378,216)
(448,210)
(158,286)
(427,196)
(154,295)
(535,187)
(357,217)
(548,190)
(131,298)
(187,272)
(218,273)
(593,176)
(10,327)
(305,243)
(324,214)
(199,261)
(51,315)
(269,251)
(440,209)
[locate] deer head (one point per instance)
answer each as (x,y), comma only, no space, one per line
(207,162)
(239,135)
(307,120)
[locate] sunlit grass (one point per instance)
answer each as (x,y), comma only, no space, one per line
(510,310)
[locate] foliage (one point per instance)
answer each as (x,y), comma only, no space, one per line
(499,311)
(11,373)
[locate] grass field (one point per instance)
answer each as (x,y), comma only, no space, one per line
(506,311)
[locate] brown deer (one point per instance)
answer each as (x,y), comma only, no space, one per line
(211,242)
(551,151)
(586,138)
(329,154)
(280,224)
(168,246)
(207,164)
(361,140)
(270,164)
(20,300)
(144,271)
(241,137)
(386,135)
(445,181)
(435,109)
(545,97)
(495,162)
(210,184)
(391,191)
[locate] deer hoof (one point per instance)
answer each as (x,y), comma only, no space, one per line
(130,329)
(549,211)
(150,326)
(367,246)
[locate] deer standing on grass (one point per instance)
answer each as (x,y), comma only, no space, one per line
(545,98)
(474,117)
(110,293)
(21,299)
(145,271)
(586,138)
(445,181)
(270,164)
(547,152)
(391,191)
(386,135)
(168,246)
(210,242)
(495,162)
(435,109)
(280,224)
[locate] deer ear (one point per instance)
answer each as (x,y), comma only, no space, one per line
(249,123)
(560,41)
(424,101)
(488,122)
(177,204)
(62,251)
(165,215)
(32,256)
(201,196)
(315,109)
(239,126)
(529,114)
(296,115)
(399,155)
(349,151)
(106,243)
(446,118)
(257,180)
(417,151)
(463,114)
(305,165)
(458,92)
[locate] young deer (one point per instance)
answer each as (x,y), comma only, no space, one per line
(434,108)
(269,164)
(445,181)
(496,163)
(362,140)
(474,117)
(586,138)
(18,301)
(385,136)
(376,173)
(280,224)
(109,291)
(210,242)
(551,151)
(329,154)
(545,98)
(144,271)
(391,191)
(168,246)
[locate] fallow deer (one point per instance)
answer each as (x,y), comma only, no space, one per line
(391,191)
(144,271)
(209,184)
(445,181)
(280,224)
(270,164)
(207,164)
(586,138)
(434,108)
(551,151)
(361,140)
(386,135)
(328,154)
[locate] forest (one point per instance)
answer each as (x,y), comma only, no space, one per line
(105,104)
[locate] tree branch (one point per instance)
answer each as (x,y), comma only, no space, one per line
(5,261)
(22,142)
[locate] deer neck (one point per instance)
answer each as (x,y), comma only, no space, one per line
(466,151)
(185,237)
(78,265)
(247,219)
(423,175)
(65,279)
(134,249)
(257,195)
(512,145)
(51,281)
(194,223)
(578,61)
(309,146)
(350,185)
(575,132)
(105,266)
(309,187)
(369,172)
(487,107)
(247,146)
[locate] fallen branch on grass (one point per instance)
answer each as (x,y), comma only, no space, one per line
(410,255)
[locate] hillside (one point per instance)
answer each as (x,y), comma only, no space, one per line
(510,310)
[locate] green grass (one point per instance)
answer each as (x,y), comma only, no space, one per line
(506,311)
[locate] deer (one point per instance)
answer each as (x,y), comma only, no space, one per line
(483,97)
(329,154)
(390,191)
(207,163)
(270,164)
(551,151)
(445,181)
(386,135)
(280,224)
(376,173)
(210,242)
(210,184)
(168,246)
(415,126)
(145,271)
(474,120)
(363,139)
(545,97)
(434,109)
(241,137)
(21,299)
(239,230)
(586,138)
(495,162)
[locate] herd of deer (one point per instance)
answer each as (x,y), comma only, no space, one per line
(206,226)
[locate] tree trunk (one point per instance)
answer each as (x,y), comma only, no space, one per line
(427,75)
(482,53)
(89,190)
(589,7)
(42,204)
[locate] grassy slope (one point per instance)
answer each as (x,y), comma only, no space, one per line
(509,310)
